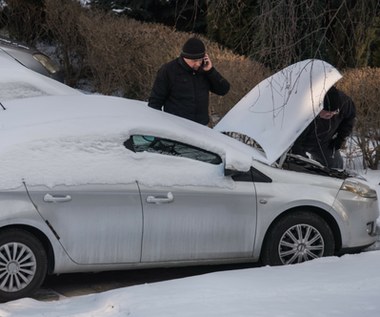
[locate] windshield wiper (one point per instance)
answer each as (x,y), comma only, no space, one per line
(2,106)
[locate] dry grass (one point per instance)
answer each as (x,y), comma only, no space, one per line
(363,85)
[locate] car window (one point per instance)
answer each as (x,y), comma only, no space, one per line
(147,143)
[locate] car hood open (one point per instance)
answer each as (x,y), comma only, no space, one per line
(277,110)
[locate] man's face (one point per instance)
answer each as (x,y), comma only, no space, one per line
(327,115)
(194,63)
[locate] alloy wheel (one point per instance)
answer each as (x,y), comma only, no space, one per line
(300,243)
(18,266)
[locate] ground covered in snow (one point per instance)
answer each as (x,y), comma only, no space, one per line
(348,286)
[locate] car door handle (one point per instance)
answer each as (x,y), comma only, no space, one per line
(56,198)
(160,199)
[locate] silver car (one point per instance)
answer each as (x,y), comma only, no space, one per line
(31,58)
(93,183)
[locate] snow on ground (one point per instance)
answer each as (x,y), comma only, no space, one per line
(346,286)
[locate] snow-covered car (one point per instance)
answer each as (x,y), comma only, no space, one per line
(31,58)
(18,81)
(94,183)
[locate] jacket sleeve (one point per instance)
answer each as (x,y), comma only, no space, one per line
(347,125)
(160,90)
(218,84)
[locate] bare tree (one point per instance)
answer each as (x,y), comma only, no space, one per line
(279,32)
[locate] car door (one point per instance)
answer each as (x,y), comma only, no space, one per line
(198,223)
(199,213)
(94,223)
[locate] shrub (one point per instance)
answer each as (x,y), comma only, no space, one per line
(124,55)
(62,23)
(363,85)
(24,19)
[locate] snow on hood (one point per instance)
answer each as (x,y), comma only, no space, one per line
(277,110)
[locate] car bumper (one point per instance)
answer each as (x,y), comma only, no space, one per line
(358,216)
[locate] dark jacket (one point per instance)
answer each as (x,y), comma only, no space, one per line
(323,137)
(180,90)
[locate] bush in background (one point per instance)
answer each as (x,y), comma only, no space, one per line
(123,55)
(24,19)
(62,25)
(363,86)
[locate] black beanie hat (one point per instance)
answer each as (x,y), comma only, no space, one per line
(332,99)
(193,49)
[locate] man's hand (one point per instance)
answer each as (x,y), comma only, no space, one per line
(207,64)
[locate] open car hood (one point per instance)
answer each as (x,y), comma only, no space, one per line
(277,110)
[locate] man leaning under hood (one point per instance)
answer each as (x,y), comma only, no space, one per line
(326,134)
(182,86)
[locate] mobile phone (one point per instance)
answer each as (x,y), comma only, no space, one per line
(204,63)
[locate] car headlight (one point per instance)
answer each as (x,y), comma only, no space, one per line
(358,188)
(45,61)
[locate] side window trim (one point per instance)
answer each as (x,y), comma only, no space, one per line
(253,175)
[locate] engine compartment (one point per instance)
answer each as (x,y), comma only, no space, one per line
(302,164)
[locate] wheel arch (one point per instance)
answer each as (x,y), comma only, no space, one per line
(42,238)
(325,215)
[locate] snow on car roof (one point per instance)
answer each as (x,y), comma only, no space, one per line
(19,90)
(79,139)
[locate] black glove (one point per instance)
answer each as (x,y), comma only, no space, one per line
(336,144)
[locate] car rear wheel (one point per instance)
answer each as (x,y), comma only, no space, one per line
(298,237)
(23,264)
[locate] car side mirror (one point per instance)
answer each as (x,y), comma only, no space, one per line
(129,144)
(230,172)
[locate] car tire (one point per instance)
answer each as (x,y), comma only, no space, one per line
(297,237)
(23,264)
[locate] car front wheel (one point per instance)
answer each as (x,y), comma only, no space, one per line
(298,237)
(23,264)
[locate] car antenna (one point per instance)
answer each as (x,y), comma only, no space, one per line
(2,106)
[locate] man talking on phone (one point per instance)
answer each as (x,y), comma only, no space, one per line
(182,86)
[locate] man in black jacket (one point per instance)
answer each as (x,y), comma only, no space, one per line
(182,86)
(327,133)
